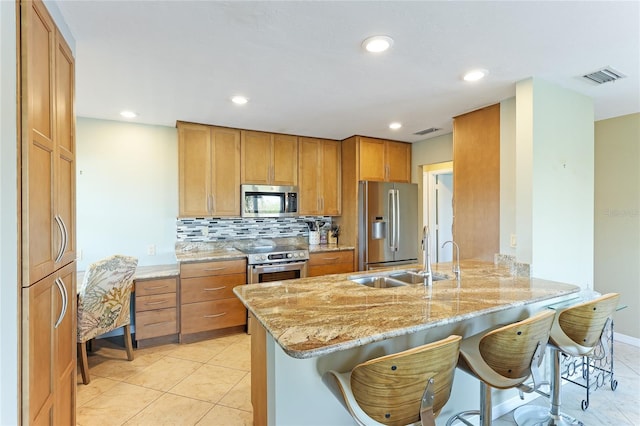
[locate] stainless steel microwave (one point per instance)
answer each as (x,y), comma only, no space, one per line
(269,201)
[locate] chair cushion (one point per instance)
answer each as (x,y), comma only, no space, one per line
(104,296)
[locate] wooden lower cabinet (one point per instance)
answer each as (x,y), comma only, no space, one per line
(156,309)
(330,262)
(49,349)
(207,301)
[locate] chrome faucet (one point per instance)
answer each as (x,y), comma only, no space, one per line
(456,265)
(426,259)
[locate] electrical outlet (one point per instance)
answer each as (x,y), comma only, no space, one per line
(205,232)
(79,254)
(151,250)
(514,241)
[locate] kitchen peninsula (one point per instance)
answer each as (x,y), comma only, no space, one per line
(308,326)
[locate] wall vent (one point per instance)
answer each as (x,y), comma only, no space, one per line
(427,131)
(604,75)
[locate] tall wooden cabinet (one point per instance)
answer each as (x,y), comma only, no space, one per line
(319,171)
(476,183)
(47,205)
(209,170)
(269,158)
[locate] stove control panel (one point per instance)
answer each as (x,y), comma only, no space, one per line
(278,257)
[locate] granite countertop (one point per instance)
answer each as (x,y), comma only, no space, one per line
(320,248)
(146,272)
(315,316)
(200,251)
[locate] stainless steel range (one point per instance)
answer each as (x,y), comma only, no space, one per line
(275,263)
(267,262)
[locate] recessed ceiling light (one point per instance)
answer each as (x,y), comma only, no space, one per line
(377,44)
(239,100)
(128,114)
(395,125)
(475,75)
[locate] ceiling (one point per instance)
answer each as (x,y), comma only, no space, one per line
(302,66)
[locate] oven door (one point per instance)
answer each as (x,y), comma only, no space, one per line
(266,273)
(276,272)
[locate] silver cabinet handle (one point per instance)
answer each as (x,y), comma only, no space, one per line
(156,287)
(63,293)
(66,235)
(160,302)
(222,268)
(215,289)
(213,203)
(215,315)
(61,249)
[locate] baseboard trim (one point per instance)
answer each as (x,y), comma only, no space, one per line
(623,338)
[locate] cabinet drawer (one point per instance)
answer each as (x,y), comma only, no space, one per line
(337,268)
(203,269)
(210,288)
(211,315)
(331,257)
(145,288)
(155,301)
(156,323)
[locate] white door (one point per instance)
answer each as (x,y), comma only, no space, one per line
(438,211)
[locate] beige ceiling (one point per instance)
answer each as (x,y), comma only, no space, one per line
(303,68)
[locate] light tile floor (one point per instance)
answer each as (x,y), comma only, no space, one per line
(208,383)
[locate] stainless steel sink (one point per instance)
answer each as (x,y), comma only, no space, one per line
(377,281)
(415,277)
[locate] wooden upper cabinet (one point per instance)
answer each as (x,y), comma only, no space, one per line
(269,159)
(476,188)
(209,170)
(398,156)
(48,146)
(319,172)
(385,161)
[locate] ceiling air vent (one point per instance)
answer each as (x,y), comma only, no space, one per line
(604,75)
(427,131)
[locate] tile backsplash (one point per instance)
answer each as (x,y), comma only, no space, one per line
(223,229)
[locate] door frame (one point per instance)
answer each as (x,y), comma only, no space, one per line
(429,173)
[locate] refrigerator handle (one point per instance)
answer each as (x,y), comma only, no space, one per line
(396,227)
(392,219)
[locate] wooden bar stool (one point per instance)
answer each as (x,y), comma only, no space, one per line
(577,331)
(503,358)
(404,388)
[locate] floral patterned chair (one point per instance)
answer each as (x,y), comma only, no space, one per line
(104,298)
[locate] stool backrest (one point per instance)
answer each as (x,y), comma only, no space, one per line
(390,388)
(509,350)
(583,323)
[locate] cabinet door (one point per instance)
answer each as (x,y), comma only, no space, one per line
(49,349)
(194,163)
(226,172)
(285,160)
(64,358)
(40,311)
(65,148)
(398,158)
(309,161)
(372,162)
(41,236)
(330,174)
(256,157)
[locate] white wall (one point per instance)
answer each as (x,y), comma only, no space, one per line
(127,190)
(555,140)
(429,151)
(9,373)
(507,175)
(617,216)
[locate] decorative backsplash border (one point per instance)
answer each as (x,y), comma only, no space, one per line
(223,229)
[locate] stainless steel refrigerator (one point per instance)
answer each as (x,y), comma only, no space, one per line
(388,224)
